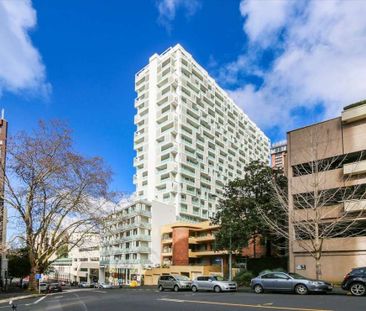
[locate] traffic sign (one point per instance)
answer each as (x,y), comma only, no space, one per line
(38,276)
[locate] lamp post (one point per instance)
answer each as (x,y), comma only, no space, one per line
(230,256)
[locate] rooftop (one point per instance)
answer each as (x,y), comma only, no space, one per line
(354,105)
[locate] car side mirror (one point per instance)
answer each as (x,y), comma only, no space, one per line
(210,280)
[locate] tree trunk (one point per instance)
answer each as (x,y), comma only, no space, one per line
(318,269)
(254,247)
(32,278)
(34,270)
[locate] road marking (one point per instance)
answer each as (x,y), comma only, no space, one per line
(100,291)
(242,305)
(39,300)
(173,300)
(35,302)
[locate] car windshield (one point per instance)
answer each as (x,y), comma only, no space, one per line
(181,278)
(297,276)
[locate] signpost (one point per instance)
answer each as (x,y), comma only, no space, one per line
(38,277)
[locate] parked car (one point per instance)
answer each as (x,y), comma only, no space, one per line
(212,283)
(174,282)
(84,285)
(54,288)
(104,285)
(43,286)
(290,282)
(355,281)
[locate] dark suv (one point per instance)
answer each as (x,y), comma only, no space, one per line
(355,281)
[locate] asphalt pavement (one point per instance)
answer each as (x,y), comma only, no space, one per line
(150,299)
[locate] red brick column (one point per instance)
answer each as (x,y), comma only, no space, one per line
(180,246)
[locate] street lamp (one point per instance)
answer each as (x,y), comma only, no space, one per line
(230,255)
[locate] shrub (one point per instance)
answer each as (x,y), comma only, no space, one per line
(258,265)
(272,270)
(243,278)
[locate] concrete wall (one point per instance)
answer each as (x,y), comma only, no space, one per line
(319,141)
(334,265)
(325,136)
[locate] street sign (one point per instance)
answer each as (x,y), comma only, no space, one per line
(38,276)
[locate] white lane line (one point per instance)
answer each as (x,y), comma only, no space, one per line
(35,302)
(242,305)
(39,300)
(171,300)
(100,291)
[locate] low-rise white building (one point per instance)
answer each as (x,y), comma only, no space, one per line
(131,243)
(81,263)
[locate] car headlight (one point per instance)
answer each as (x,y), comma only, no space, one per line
(316,283)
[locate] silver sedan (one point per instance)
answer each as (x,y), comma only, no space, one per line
(290,282)
(212,283)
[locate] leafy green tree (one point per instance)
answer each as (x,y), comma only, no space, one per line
(238,216)
(18,263)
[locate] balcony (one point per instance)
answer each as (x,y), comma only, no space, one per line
(195,254)
(355,168)
(138,162)
(125,262)
(208,237)
(354,206)
(172,187)
(167,241)
(167,252)
(124,250)
(104,262)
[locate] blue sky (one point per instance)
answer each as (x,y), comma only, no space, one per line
(286,63)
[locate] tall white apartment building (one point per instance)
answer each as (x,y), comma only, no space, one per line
(191,138)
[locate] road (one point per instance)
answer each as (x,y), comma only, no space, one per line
(150,300)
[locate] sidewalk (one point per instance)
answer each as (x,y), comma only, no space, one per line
(17,295)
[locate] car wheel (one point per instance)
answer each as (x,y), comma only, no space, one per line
(217,289)
(194,289)
(160,288)
(358,289)
(301,289)
(176,288)
(258,289)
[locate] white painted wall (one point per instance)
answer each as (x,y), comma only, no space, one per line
(161,214)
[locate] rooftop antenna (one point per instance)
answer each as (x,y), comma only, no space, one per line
(2,113)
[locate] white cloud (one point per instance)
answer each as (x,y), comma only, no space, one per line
(168,8)
(320,58)
(264,18)
(21,66)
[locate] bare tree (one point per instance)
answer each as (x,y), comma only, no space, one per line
(57,192)
(318,211)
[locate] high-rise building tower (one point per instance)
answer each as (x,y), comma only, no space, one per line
(278,155)
(191,138)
